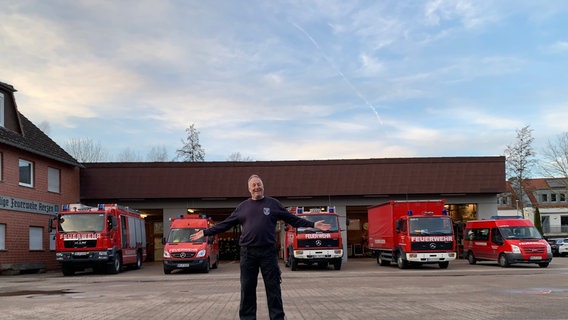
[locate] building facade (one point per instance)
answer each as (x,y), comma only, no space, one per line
(548,195)
(36,176)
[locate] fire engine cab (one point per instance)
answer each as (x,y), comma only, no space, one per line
(180,252)
(311,245)
(105,237)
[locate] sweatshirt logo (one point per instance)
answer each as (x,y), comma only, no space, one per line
(266,211)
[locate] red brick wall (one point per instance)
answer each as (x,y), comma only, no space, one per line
(18,223)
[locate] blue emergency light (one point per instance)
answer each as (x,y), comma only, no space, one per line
(65,207)
(331,209)
(409,212)
(300,210)
(101,206)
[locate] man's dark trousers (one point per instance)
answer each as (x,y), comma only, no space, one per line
(266,259)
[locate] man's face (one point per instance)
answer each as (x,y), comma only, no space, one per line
(256,188)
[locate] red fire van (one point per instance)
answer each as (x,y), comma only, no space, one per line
(506,241)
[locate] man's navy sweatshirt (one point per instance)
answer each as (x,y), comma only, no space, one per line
(258,219)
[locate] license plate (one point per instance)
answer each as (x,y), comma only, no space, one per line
(183,265)
(80,253)
(535,258)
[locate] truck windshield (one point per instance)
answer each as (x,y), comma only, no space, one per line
(520,232)
(82,222)
(430,226)
(327,218)
(182,235)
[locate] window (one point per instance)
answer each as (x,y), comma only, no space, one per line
(53,178)
(562,195)
(544,197)
(2,236)
(1,109)
(553,197)
(36,238)
(26,173)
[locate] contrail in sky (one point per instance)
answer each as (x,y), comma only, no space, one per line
(316,44)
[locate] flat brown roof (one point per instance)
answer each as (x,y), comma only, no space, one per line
(393,176)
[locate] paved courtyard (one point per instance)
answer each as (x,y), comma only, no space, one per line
(361,290)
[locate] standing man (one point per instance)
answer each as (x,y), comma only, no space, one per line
(258,216)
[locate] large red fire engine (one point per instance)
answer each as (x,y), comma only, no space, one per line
(180,252)
(411,232)
(105,237)
(310,245)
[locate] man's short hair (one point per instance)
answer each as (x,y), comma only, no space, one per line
(253,176)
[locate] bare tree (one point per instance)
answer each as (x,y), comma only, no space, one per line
(555,157)
(86,150)
(191,150)
(237,156)
(128,155)
(157,154)
(520,158)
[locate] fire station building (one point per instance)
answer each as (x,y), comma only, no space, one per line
(469,185)
(37,176)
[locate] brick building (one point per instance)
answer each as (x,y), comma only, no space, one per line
(36,176)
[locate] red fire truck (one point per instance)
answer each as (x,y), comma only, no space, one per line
(310,245)
(411,232)
(105,237)
(182,253)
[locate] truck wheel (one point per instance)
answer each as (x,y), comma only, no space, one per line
(503,262)
(116,265)
(138,264)
(322,265)
(206,266)
(543,264)
(382,261)
(401,263)
(167,270)
(293,262)
(471,258)
(444,264)
(337,264)
(216,264)
(67,269)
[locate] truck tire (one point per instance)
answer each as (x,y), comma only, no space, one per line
(382,261)
(337,264)
(293,262)
(543,264)
(206,266)
(471,258)
(216,264)
(400,262)
(138,263)
(502,260)
(167,270)
(116,265)
(444,264)
(67,269)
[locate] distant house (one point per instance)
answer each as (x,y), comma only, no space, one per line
(549,195)
(36,176)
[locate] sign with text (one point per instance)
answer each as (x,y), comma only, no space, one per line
(25,205)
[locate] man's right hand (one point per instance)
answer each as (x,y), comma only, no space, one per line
(196,236)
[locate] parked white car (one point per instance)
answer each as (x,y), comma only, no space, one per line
(559,246)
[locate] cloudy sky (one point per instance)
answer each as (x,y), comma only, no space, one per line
(285,80)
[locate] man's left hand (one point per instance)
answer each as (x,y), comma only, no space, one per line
(322,225)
